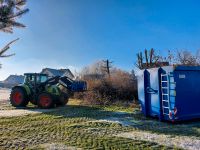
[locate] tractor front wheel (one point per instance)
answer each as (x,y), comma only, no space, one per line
(63,100)
(18,97)
(45,100)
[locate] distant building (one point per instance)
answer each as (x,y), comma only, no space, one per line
(12,80)
(57,72)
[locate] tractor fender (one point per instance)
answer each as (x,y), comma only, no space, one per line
(25,88)
(53,89)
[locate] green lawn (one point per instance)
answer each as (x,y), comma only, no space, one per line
(73,125)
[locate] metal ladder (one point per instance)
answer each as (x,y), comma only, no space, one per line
(165,91)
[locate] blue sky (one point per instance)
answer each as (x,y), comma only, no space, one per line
(75,33)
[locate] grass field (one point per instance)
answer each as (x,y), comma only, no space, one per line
(73,126)
(76,126)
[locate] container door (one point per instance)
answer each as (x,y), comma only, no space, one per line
(147,94)
(151,92)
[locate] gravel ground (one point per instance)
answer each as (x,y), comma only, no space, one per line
(58,146)
(184,142)
(22,112)
(4,97)
(189,143)
(4,94)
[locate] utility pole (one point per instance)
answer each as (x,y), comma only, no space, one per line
(107,66)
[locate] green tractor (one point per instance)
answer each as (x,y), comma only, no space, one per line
(43,91)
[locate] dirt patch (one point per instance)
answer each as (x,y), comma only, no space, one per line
(122,118)
(58,146)
(115,120)
(22,112)
(190,143)
(4,94)
(4,99)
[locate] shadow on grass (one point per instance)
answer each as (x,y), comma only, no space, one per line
(77,111)
(184,128)
(134,120)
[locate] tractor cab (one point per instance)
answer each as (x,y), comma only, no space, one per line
(34,78)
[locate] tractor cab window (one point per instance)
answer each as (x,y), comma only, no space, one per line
(43,78)
(35,78)
(29,79)
(38,79)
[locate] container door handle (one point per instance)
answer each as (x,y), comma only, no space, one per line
(151,91)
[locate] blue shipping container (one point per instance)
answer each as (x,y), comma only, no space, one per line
(170,93)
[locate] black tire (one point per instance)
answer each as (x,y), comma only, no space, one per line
(63,100)
(18,97)
(45,100)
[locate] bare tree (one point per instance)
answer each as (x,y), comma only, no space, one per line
(183,57)
(93,71)
(187,58)
(151,60)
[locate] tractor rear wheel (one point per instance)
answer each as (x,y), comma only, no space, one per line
(45,100)
(18,97)
(63,99)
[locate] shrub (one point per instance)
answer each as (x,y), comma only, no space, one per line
(120,86)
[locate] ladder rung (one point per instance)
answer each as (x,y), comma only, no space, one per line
(165,94)
(167,74)
(164,81)
(165,107)
(166,114)
(164,100)
(164,87)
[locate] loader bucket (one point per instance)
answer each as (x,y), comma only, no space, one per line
(79,86)
(74,86)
